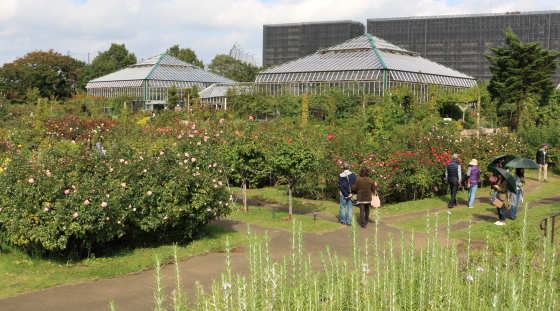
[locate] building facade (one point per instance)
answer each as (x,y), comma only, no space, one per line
(459,41)
(286,42)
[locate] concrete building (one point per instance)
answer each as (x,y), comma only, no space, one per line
(459,41)
(286,42)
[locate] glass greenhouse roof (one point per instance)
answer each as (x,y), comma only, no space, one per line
(220,89)
(361,59)
(163,67)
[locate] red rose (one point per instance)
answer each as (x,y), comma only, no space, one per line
(290,140)
(329,137)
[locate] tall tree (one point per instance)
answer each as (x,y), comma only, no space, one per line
(519,71)
(186,55)
(52,73)
(234,69)
(115,58)
(172,97)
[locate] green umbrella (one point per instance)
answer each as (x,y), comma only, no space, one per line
(512,185)
(523,163)
(506,157)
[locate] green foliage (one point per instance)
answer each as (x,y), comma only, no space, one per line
(115,58)
(231,68)
(187,55)
(172,97)
(304,109)
(68,200)
(519,71)
(51,73)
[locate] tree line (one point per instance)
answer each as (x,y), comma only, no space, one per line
(46,74)
(521,85)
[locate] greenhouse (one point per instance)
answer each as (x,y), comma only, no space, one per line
(215,95)
(151,79)
(364,64)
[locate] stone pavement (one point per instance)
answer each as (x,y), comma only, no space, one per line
(134,292)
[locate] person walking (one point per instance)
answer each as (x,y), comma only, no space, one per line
(542,161)
(345,180)
(498,163)
(473,174)
(364,187)
(453,179)
(514,199)
(502,195)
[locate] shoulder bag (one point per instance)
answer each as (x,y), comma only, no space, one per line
(375,201)
(497,203)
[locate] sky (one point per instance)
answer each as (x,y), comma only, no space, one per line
(209,27)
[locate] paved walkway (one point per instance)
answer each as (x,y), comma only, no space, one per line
(134,292)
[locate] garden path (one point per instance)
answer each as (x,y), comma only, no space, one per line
(134,292)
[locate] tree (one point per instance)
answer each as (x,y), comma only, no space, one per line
(187,55)
(172,97)
(52,73)
(519,71)
(233,69)
(114,59)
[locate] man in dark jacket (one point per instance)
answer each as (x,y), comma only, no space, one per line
(345,180)
(542,161)
(453,178)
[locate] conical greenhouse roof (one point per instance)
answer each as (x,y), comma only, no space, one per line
(362,59)
(162,67)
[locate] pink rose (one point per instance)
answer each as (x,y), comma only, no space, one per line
(123,185)
(149,192)
(161,153)
(251,118)
(145,170)
(165,217)
(49,173)
(46,209)
(186,154)
(103,204)
(73,187)
(108,196)
(31,180)
(375,184)
(213,180)
(193,160)
(67,191)
(86,202)
(119,222)
(107,218)
(134,209)
(121,160)
(75,215)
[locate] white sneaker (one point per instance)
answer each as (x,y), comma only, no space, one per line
(471,206)
(500,223)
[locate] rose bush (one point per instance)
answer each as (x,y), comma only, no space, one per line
(71,200)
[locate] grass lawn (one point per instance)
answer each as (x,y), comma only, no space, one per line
(487,230)
(265,218)
(21,272)
(486,227)
(277,194)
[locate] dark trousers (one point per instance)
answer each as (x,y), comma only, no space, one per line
(364,214)
(502,213)
(454,186)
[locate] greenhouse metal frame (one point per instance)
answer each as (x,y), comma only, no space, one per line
(364,64)
(150,80)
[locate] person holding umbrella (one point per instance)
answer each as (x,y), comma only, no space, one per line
(501,197)
(515,198)
(520,165)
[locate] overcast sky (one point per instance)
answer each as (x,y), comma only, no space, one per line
(209,27)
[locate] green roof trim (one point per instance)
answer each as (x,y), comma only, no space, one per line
(376,51)
(155,65)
